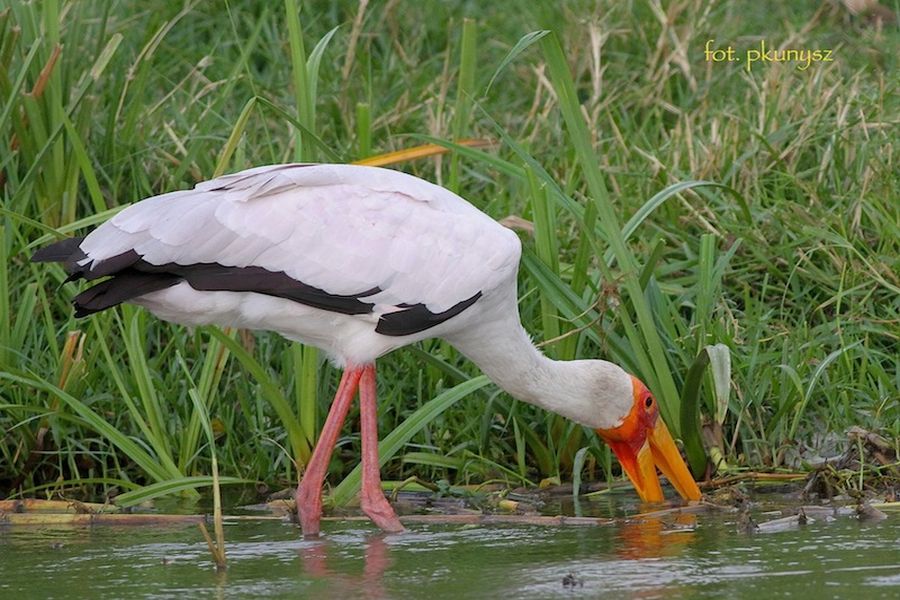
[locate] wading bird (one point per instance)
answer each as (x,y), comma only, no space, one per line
(358,261)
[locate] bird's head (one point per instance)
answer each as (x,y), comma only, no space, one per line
(642,443)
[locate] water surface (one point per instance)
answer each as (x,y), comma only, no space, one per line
(685,557)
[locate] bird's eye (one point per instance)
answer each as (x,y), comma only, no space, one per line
(649,401)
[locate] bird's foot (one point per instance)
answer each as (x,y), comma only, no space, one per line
(382,513)
(309,511)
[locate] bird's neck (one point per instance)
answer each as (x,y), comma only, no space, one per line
(503,350)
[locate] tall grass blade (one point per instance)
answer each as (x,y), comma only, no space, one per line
(271,392)
(217,549)
(135,336)
(312,73)
(130,448)
(214,361)
(660,198)
(309,135)
(523,44)
(546,247)
(800,409)
(465,89)
(363,130)
(175,485)
(234,139)
(308,392)
(300,76)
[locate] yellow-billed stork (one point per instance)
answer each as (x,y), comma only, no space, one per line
(358,261)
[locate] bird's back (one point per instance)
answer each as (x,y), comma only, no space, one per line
(366,246)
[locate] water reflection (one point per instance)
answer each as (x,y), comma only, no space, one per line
(377,559)
(659,556)
(326,560)
(655,537)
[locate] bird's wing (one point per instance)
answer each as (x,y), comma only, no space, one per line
(361,238)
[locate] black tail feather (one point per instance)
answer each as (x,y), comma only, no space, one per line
(121,287)
(126,282)
(66,250)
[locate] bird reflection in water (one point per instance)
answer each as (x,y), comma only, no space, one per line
(636,539)
(653,537)
(377,559)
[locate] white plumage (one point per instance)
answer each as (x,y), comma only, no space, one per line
(340,228)
(357,261)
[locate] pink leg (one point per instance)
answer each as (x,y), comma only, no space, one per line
(372,497)
(309,492)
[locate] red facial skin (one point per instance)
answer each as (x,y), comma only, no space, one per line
(642,444)
(632,433)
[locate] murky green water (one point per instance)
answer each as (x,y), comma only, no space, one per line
(687,557)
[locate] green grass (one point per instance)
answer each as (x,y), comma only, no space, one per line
(678,206)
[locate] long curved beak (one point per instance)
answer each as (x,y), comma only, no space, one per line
(659,451)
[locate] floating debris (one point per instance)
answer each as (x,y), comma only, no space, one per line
(572,581)
(745,523)
(784,523)
(37,505)
(867,512)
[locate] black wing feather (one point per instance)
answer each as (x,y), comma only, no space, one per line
(131,277)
